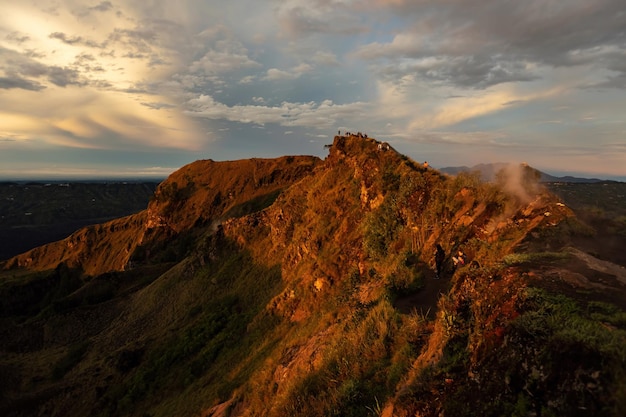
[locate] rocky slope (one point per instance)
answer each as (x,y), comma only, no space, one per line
(304,287)
(201,192)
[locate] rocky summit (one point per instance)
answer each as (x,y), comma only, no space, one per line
(305,287)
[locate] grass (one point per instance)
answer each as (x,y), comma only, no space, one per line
(535,258)
(224,328)
(554,356)
(569,362)
(70,360)
(253,205)
(358,370)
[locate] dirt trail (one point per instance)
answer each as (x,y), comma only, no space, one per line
(424,301)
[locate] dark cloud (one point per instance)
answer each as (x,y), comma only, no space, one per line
(513,102)
(156,60)
(134,55)
(85,57)
(102,84)
(65,39)
(18,69)
(102,7)
(150,35)
(320,17)
(616,81)
(31,69)
(18,82)
(138,41)
(23,72)
(17,37)
(486,42)
(158,106)
(63,77)
(464,71)
(77,40)
(32,53)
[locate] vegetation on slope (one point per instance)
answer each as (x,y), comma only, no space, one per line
(309,290)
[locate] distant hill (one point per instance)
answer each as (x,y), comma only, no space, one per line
(34,213)
(300,286)
(488,173)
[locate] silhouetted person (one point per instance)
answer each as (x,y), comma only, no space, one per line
(440,256)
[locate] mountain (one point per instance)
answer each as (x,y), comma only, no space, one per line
(488,172)
(306,287)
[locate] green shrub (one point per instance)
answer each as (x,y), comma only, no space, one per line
(381,228)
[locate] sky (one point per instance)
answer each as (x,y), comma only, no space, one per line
(126,88)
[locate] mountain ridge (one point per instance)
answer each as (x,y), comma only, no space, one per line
(488,172)
(285,299)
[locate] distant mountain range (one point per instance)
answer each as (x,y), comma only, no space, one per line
(488,173)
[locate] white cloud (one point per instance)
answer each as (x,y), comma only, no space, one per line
(247,79)
(274,74)
(325,58)
(319,116)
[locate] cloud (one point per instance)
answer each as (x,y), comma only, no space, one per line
(158,106)
(319,17)
(77,40)
(222,54)
(320,116)
(247,79)
(480,43)
(7,137)
(102,7)
(63,77)
(137,41)
(18,82)
(17,37)
(20,71)
(325,58)
(464,71)
(222,61)
(274,74)
(616,81)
